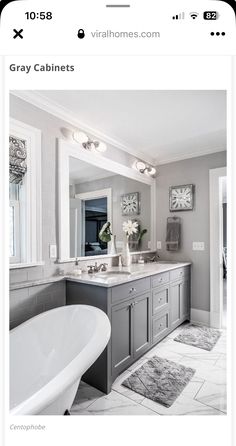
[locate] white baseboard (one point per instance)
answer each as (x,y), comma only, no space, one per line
(200,317)
(215,319)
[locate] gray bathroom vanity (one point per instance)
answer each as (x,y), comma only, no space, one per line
(144,304)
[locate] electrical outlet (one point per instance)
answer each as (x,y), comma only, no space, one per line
(53,251)
(158,245)
(149,245)
(198,246)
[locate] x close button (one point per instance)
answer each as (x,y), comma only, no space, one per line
(18,33)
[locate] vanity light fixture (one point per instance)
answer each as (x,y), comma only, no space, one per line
(80,137)
(88,143)
(145,168)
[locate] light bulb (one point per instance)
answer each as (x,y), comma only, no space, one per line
(102,147)
(140,166)
(80,137)
(92,146)
(151,170)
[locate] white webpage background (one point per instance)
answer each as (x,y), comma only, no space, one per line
(120,72)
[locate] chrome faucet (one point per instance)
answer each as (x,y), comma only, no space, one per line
(96,268)
(154,258)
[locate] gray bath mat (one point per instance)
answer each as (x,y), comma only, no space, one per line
(160,380)
(201,337)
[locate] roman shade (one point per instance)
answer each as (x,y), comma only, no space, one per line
(17,159)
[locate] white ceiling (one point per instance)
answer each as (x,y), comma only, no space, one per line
(160,125)
(80,172)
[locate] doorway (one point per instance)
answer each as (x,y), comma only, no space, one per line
(218,247)
(223,229)
(88,213)
(94,216)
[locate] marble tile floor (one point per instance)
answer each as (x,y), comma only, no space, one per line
(204,395)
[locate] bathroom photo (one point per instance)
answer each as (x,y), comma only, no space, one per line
(118,252)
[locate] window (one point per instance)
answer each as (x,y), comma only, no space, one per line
(14,230)
(25,239)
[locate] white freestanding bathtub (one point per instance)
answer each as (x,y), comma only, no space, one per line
(48,355)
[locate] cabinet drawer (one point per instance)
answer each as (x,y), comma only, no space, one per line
(160,326)
(178,273)
(160,299)
(130,289)
(160,279)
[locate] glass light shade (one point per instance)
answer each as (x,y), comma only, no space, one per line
(80,137)
(151,170)
(92,146)
(140,165)
(102,147)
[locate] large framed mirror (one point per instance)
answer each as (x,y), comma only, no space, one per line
(94,190)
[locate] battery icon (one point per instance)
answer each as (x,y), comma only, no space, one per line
(210,15)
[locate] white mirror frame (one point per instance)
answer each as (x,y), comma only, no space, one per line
(68,149)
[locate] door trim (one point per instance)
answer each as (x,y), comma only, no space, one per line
(215,246)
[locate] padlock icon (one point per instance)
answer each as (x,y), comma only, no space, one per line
(81,33)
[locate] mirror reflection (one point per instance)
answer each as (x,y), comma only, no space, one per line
(101,205)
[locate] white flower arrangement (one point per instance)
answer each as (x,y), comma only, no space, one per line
(130,227)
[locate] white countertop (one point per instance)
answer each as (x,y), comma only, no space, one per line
(133,272)
(113,278)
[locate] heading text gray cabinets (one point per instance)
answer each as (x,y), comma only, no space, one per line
(141,312)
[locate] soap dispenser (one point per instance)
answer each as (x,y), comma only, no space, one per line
(77,271)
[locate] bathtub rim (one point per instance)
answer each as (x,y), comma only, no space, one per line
(73,370)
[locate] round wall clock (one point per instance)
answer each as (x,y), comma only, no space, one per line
(130,204)
(181,198)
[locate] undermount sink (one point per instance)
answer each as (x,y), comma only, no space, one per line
(109,274)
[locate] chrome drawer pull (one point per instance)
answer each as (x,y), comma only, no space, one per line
(132,290)
(160,299)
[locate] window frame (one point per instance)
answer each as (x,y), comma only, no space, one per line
(16,257)
(31,231)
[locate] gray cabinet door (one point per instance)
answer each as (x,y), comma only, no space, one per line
(175,315)
(184,299)
(141,324)
(160,326)
(121,337)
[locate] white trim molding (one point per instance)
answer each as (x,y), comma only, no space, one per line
(200,317)
(32,225)
(216,244)
(182,157)
(48,105)
(65,151)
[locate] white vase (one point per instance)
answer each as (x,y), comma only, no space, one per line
(125,254)
(113,250)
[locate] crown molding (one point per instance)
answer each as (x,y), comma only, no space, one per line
(49,106)
(173,159)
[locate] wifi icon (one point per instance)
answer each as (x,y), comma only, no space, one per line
(194,15)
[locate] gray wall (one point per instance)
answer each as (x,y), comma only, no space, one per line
(122,185)
(28,302)
(52,128)
(195,224)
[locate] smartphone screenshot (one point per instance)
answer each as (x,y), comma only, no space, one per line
(117,197)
